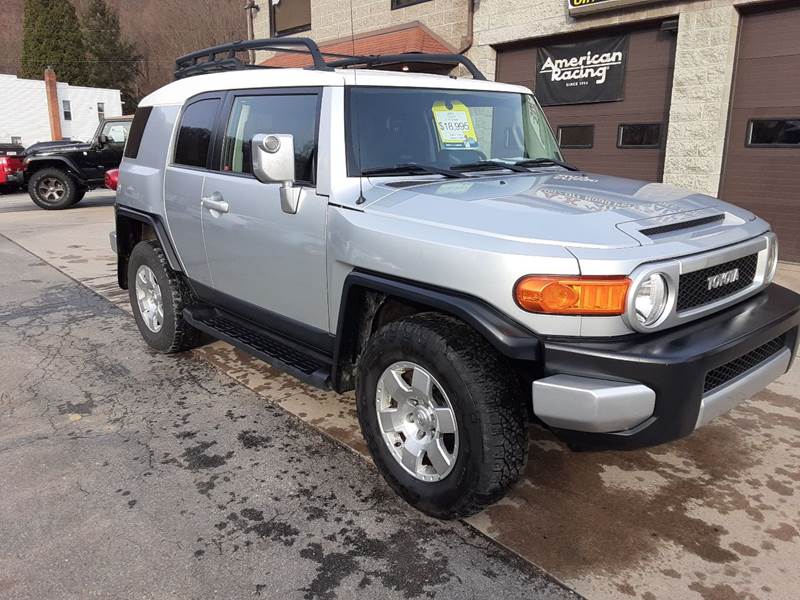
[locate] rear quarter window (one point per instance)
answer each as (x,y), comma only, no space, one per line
(194,135)
(137,131)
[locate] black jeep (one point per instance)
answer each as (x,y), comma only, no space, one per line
(58,176)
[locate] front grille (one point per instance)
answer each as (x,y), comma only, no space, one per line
(693,287)
(731,370)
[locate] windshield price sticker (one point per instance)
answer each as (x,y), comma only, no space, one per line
(454,126)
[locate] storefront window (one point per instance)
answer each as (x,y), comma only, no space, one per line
(576,136)
(774,132)
(639,135)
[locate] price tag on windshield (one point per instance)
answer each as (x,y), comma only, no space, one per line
(454,126)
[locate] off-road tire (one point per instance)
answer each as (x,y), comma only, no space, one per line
(71,189)
(487,402)
(175,335)
(79,195)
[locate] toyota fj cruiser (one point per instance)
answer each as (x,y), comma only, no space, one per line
(58,175)
(419,239)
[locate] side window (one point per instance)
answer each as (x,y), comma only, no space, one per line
(116,131)
(576,136)
(137,131)
(639,135)
(774,132)
(194,135)
(295,114)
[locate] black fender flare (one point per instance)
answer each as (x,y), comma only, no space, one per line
(128,237)
(510,338)
(70,166)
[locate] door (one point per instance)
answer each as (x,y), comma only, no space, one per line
(110,154)
(271,261)
(762,154)
(183,185)
(626,138)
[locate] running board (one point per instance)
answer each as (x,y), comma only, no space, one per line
(308,365)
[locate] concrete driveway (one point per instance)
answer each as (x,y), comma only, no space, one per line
(713,516)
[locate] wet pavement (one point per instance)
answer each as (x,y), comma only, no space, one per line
(128,474)
(713,516)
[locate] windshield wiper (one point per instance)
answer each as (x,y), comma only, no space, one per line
(544,162)
(413,168)
(485,165)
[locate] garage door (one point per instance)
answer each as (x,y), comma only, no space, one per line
(762,158)
(627,137)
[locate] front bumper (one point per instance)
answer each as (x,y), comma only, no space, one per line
(645,390)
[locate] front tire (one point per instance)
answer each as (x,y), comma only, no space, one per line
(158,296)
(53,189)
(417,375)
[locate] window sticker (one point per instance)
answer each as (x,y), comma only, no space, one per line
(454,126)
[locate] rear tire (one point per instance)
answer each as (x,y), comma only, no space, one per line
(489,449)
(158,296)
(53,189)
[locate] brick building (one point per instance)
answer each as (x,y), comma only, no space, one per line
(698,93)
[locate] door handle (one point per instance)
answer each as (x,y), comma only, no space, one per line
(215,202)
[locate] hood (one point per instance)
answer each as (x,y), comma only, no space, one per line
(566,209)
(59,148)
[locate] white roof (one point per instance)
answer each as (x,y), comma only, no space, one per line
(178,91)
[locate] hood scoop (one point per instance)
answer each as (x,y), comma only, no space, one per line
(659,230)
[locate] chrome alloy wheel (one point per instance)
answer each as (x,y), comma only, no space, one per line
(148,297)
(51,189)
(417,421)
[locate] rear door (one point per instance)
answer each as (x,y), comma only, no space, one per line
(263,262)
(183,183)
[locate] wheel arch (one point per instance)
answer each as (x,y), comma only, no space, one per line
(132,227)
(35,165)
(370,300)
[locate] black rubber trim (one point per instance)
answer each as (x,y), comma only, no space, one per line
(674,363)
(158,226)
(508,337)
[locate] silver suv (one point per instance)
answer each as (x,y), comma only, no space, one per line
(420,240)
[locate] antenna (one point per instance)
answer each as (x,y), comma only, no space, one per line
(360,199)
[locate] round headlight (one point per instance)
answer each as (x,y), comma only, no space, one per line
(772,259)
(651,299)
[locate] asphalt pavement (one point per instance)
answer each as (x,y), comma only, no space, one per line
(128,474)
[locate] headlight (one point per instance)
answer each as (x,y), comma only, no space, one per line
(772,260)
(651,299)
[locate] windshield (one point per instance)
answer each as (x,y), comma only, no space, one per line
(443,128)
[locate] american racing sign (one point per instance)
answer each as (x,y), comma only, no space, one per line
(585,72)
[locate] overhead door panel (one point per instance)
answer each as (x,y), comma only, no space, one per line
(647,88)
(762,173)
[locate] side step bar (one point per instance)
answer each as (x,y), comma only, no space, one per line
(310,366)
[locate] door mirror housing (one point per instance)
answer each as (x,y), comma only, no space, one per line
(102,140)
(273,162)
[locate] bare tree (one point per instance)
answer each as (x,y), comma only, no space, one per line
(11,36)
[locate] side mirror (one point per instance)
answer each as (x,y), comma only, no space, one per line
(273,162)
(102,140)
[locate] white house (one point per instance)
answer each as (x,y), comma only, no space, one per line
(26,110)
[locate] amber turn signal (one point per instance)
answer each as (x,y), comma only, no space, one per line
(572,295)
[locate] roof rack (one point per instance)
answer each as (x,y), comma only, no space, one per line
(223,57)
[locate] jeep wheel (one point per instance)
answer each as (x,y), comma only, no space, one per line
(53,189)
(442,415)
(158,296)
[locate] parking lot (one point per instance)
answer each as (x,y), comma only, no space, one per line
(133,474)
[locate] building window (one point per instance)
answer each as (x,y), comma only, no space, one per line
(403,3)
(194,136)
(67,110)
(639,135)
(576,136)
(782,133)
(101,110)
(289,16)
(16,140)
